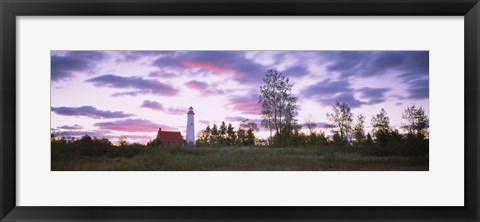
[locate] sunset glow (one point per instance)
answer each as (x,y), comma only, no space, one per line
(133,93)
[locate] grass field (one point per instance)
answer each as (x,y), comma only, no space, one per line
(243,159)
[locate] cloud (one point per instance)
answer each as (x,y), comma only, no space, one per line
(138,84)
(319,125)
(65,66)
(418,89)
(328,88)
(207,66)
(206,122)
(370,63)
(197,85)
(296,71)
(235,118)
(329,91)
(347,98)
(132,125)
(159,107)
(204,88)
(77,133)
(132,56)
(245,104)
(417,85)
(176,111)
(152,105)
(162,74)
(244,70)
(74,127)
(374,95)
(89,111)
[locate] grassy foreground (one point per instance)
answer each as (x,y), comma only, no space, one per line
(242,159)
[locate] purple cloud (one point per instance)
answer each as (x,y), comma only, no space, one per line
(137,84)
(245,104)
(206,122)
(89,111)
(374,95)
(131,56)
(327,92)
(204,88)
(176,111)
(65,66)
(162,74)
(132,125)
(319,125)
(244,70)
(152,105)
(159,107)
(296,71)
(328,87)
(235,118)
(74,127)
(197,85)
(342,98)
(369,63)
(418,89)
(77,134)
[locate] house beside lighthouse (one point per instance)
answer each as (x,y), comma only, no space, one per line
(190,138)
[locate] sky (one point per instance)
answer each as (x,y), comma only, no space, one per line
(133,93)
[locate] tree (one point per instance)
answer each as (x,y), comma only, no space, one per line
(223,133)
(155,142)
(250,138)
(369,139)
(231,137)
(416,122)
(342,117)
(310,124)
(208,135)
(203,137)
(241,137)
(122,141)
(359,129)
(247,124)
(381,126)
(278,104)
(214,135)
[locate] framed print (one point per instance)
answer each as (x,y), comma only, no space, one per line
(257,110)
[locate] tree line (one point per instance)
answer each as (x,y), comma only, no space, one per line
(279,112)
(226,135)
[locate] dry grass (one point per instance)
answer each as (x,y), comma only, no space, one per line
(245,159)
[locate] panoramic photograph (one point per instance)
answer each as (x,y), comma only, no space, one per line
(247,110)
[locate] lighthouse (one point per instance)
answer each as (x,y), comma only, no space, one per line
(190,127)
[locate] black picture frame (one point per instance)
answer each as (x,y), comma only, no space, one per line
(10,9)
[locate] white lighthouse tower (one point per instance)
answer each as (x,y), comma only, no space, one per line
(190,127)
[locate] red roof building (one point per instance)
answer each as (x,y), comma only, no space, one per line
(170,137)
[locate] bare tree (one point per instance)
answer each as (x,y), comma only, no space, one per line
(310,124)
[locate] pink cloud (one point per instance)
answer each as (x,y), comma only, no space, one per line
(245,105)
(206,122)
(132,125)
(197,85)
(205,65)
(176,111)
(204,88)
